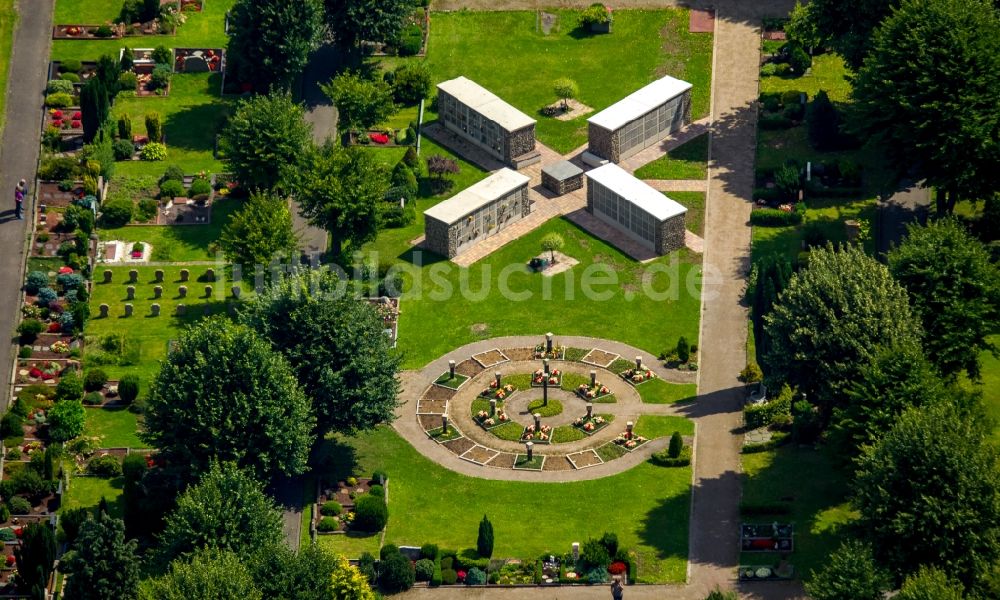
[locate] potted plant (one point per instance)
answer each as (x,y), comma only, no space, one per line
(597,18)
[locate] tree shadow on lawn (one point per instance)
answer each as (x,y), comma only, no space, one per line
(194,128)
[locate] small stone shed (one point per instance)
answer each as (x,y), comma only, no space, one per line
(476,213)
(640,120)
(562,177)
(644,214)
(477,115)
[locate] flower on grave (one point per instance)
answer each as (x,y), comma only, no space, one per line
(54,328)
(545,428)
(490,422)
(583,387)
(640,439)
(590,393)
(537,379)
(530,429)
(9,560)
(57,123)
(60,347)
(77,116)
(539,373)
(542,436)
(502,416)
(481,414)
(588,427)
(35,373)
(56,114)
(637,377)
(649,374)
(598,420)
(578,421)
(556,372)
(19,532)
(493,383)
(461,575)
(630,444)
(76,124)
(501,395)
(605,390)
(553,380)
(508,388)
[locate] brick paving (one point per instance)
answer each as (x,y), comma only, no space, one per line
(678,185)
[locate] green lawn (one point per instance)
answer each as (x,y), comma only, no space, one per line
(86,492)
(828,73)
(148,336)
(657,391)
(8,20)
(644,45)
(828,215)
(991,386)
(657,426)
(816,491)
(453,306)
(179,243)
(115,426)
(204,29)
(695,203)
(688,161)
(528,518)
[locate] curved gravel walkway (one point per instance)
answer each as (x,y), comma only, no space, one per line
(415,383)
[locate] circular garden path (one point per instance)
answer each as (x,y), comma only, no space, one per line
(472,450)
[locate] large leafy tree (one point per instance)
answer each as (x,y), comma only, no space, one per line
(361,103)
(265,138)
(369,20)
(259,232)
(66,420)
(927,94)
(103,566)
(928,493)
(224,394)
(226,510)
(340,190)
(955,291)
(210,575)
(337,346)
(929,583)
(833,319)
(850,573)
(309,574)
(896,380)
(270,40)
(847,25)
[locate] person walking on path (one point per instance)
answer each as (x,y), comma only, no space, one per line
(617,589)
(19,193)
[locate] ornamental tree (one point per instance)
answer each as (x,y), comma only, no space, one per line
(66,420)
(929,583)
(927,95)
(227,510)
(94,108)
(103,566)
(928,493)
(484,541)
(266,136)
(361,103)
(260,232)
(551,243)
(847,25)
(565,89)
(352,21)
(209,575)
(224,394)
(341,191)
(955,291)
(832,319)
(850,573)
(270,40)
(348,582)
(411,82)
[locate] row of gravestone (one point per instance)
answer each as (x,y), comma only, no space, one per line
(133,275)
(154,310)
(181,292)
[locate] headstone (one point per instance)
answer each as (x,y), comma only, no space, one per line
(210,275)
(529,447)
(158,274)
(185,274)
(104,311)
(444,424)
(236,290)
(108,274)
(182,291)
(128,310)
(545,366)
(593,378)
(133,276)
(628,429)
(590,410)
(157,291)
(545,388)
(130,292)
(208,291)
(497,375)
(451,369)
(493,407)
(195,64)
(154,310)
(576,551)
(538,421)
(181,310)
(638,363)
(548,342)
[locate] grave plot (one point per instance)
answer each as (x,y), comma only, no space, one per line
(600,358)
(584,459)
(490,358)
(199,60)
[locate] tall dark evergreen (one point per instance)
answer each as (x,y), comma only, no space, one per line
(104,565)
(94,108)
(484,542)
(773,274)
(35,557)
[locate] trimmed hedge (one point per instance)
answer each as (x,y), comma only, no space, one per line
(664,459)
(778,438)
(763,414)
(773,217)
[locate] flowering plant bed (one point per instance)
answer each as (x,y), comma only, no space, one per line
(538,378)
(595,393)
(487,422)
(774,537)
(630,443)
(592,425)
(378,139)
(68,121)
(766,572)
(36,371)
(199,60)
(86,32)
(637,376)
(439,435)
(543,435)
(498,393)
(558,352)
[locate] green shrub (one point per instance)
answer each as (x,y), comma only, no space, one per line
(597,575)
(396,573)
(24,352)
(778,438)
(153,151)
(69,387)
(93,399)
(162,55)
(411,81)
(773,217)
(664,459)
(116,212)
(610,542)
(377,490)
(19,506)
(171,188)
(395,217)
(484,542)
(128,82)
(411,160)
(676,445)
(35,281)
(794,112)
(94,379)
(594,555)
(798,59)
(379,475)
(596,14)
(791,97)
(146,210)
(154,127)
(448,577)
(751,373)
(470,557)
(366,564)
(424,569)
(70,77)
(411,40)
(200,187)
(70,65)
(370,514)
(172,172)
(429,551)
(59,100)
(59,86)
(331,508)
(128,388)
(4,513)
(404,179)
(475,576)
(123,149)
(772,121)
(105,465)
(104,31)
(761,415)
(683,350)
(11,425)
(160,78)
(327,524)
(447,562)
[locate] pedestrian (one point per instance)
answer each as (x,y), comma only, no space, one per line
(19,192)
(617,589)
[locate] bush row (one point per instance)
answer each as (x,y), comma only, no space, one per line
(773,217)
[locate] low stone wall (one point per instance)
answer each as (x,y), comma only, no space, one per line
(670,235)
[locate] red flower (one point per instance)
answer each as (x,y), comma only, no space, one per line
(57,114)
(461,575)
(77,116)
(35,372)
(19,532)
(46,376)
(76,124)
(53,328)
(57,123)
(379,138)
(10,560)
(65,269)
(617,568)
